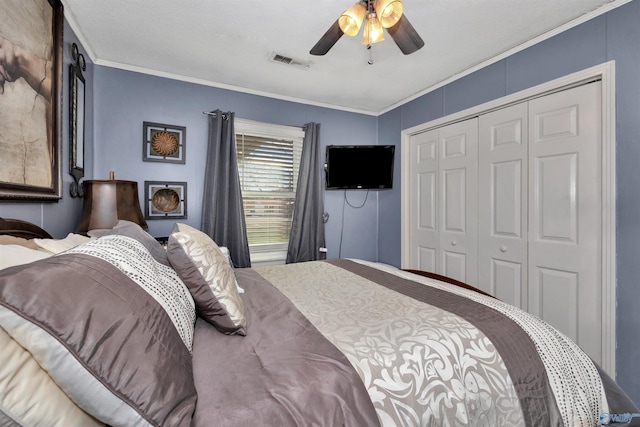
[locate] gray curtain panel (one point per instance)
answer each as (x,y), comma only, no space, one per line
(222,209)
(307,228)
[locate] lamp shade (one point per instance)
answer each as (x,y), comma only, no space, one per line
(351,20)
(389,12)
(108,201)
(372,30)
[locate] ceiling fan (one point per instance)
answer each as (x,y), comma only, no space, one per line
(376,15)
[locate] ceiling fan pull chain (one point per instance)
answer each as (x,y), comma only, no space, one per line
(370,49)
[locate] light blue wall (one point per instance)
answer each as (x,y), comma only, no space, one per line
(60,218)
(124,100)
(389,200)
(613,36)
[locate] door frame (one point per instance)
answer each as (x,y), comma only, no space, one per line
(606,74)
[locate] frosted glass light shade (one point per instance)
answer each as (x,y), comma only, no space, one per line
(373,32)
(389,12)
(351,20)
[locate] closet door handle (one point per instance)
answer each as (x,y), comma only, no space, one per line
(453,243)
(503,249)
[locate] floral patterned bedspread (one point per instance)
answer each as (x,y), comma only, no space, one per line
(430,353)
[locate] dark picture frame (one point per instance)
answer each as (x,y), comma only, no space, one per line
(165,200)
(163,143)
(76,120)
(32,171)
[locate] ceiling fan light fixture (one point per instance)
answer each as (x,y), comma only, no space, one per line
(351,20)
(373,32)
(389,12)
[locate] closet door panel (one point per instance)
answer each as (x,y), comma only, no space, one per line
(424,236)
(507,279)
(565,204)
(506,181)
(458,185)
(551,287)
(427,259)
(454,264)
(427,201)
(557,185)
(502,204)
(454,202)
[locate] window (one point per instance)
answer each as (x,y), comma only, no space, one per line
(268,164)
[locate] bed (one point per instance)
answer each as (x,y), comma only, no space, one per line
(115,329)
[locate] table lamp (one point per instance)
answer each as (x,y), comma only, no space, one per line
(108,201)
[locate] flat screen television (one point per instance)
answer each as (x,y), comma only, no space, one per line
(359,166)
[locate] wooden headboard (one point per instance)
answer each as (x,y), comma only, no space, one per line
(20,228)
(449,280)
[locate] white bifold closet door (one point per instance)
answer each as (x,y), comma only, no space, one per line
(444,173)
(565,213)
(503,206)
(511,202)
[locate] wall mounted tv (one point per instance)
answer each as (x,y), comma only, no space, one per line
(359,166)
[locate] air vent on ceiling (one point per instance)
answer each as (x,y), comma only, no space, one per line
(287,60)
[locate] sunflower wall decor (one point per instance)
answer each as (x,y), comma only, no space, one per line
(163,143)
(165,200)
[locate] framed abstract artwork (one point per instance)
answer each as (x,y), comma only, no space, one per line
(31,99)
(165,200)
(163,143)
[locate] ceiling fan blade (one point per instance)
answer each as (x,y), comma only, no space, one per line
(405,36)
(327,41)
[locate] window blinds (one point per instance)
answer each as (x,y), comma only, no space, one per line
(268,168)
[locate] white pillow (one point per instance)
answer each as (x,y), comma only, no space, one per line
(28,395)
(11,255)
(6,239)
(55,246)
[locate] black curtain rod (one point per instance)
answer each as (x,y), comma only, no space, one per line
(212,113)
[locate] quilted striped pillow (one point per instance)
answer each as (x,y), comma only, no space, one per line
(112,326)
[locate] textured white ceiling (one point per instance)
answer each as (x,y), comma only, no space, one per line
(229,43)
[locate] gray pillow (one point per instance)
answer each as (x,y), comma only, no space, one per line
(101,320)
(133,230)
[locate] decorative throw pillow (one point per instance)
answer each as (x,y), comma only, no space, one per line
(207,273)
(225,252)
